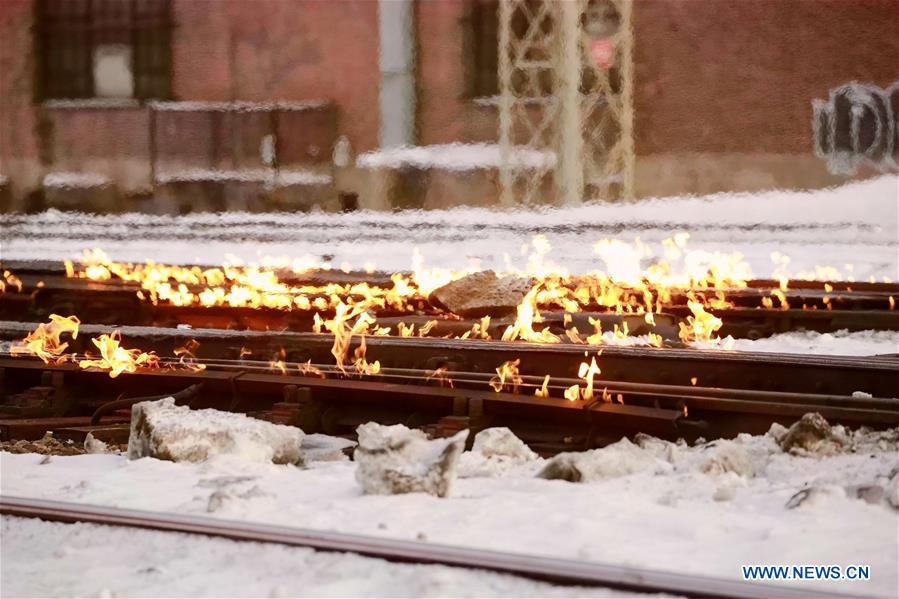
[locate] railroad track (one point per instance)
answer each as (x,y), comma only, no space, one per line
(839,375)
(548,569)
(814,306)
(321,398)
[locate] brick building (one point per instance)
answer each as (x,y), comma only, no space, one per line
(161,98)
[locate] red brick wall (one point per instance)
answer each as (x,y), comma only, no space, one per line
(729,76)
(445,113)
(18,121)
(282,50)
(739,75)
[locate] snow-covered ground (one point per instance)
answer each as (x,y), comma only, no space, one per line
(838,343)
(99,561)
(706,509)
(852,228)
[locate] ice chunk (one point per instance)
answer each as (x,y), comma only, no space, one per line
(893,491)
(94,445)
(495,451)
(618,459)
(324,448)
(727,456)
(162,430)
(395,459)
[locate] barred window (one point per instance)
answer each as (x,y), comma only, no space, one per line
(482,47)
(482,52)
(104,49)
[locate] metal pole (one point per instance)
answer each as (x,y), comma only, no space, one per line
(569,152)
(506,176)
(626,37)
(396,27)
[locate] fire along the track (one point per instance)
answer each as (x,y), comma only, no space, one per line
(623,286)
(632,281)
(46,343)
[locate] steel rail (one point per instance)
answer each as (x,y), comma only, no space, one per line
(529,382)
(549,569)
(666,398)
(829,371)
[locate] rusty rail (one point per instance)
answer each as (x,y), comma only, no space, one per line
(549,569)
(834,375)
(844,305)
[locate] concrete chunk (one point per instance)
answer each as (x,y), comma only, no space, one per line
(482,294)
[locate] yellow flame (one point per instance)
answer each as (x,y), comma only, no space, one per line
(44,342)
(116,359)
(507,374)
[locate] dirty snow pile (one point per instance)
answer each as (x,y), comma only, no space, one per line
(163,430)
(810,494)
(397,459)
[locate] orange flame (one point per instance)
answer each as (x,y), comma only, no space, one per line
(44,342)
(507,374)
(117,359)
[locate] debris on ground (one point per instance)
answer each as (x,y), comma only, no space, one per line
(396,459)
(810,435)
(163,430)
(46,445)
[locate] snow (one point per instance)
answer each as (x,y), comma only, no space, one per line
(163,430)
(48,559)
(838,343)
(854,225)
(258,175)
(396,459)
(705,509)
(455,157)
(91,103)
(495,452)
(189,106)
(69,180)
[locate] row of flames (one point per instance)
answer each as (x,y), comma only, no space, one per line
(623,287)
(46,343)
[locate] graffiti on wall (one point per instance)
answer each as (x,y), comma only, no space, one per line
(858,126)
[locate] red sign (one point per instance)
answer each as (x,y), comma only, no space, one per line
(602,51)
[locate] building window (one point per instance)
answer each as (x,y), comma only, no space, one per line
(482,48)
(104,49)
(531,23)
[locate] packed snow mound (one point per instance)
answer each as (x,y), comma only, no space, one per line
(162,430)
(324,448)
(728,457)
(94,445)
(618,459)
(396,459)
(496,451)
